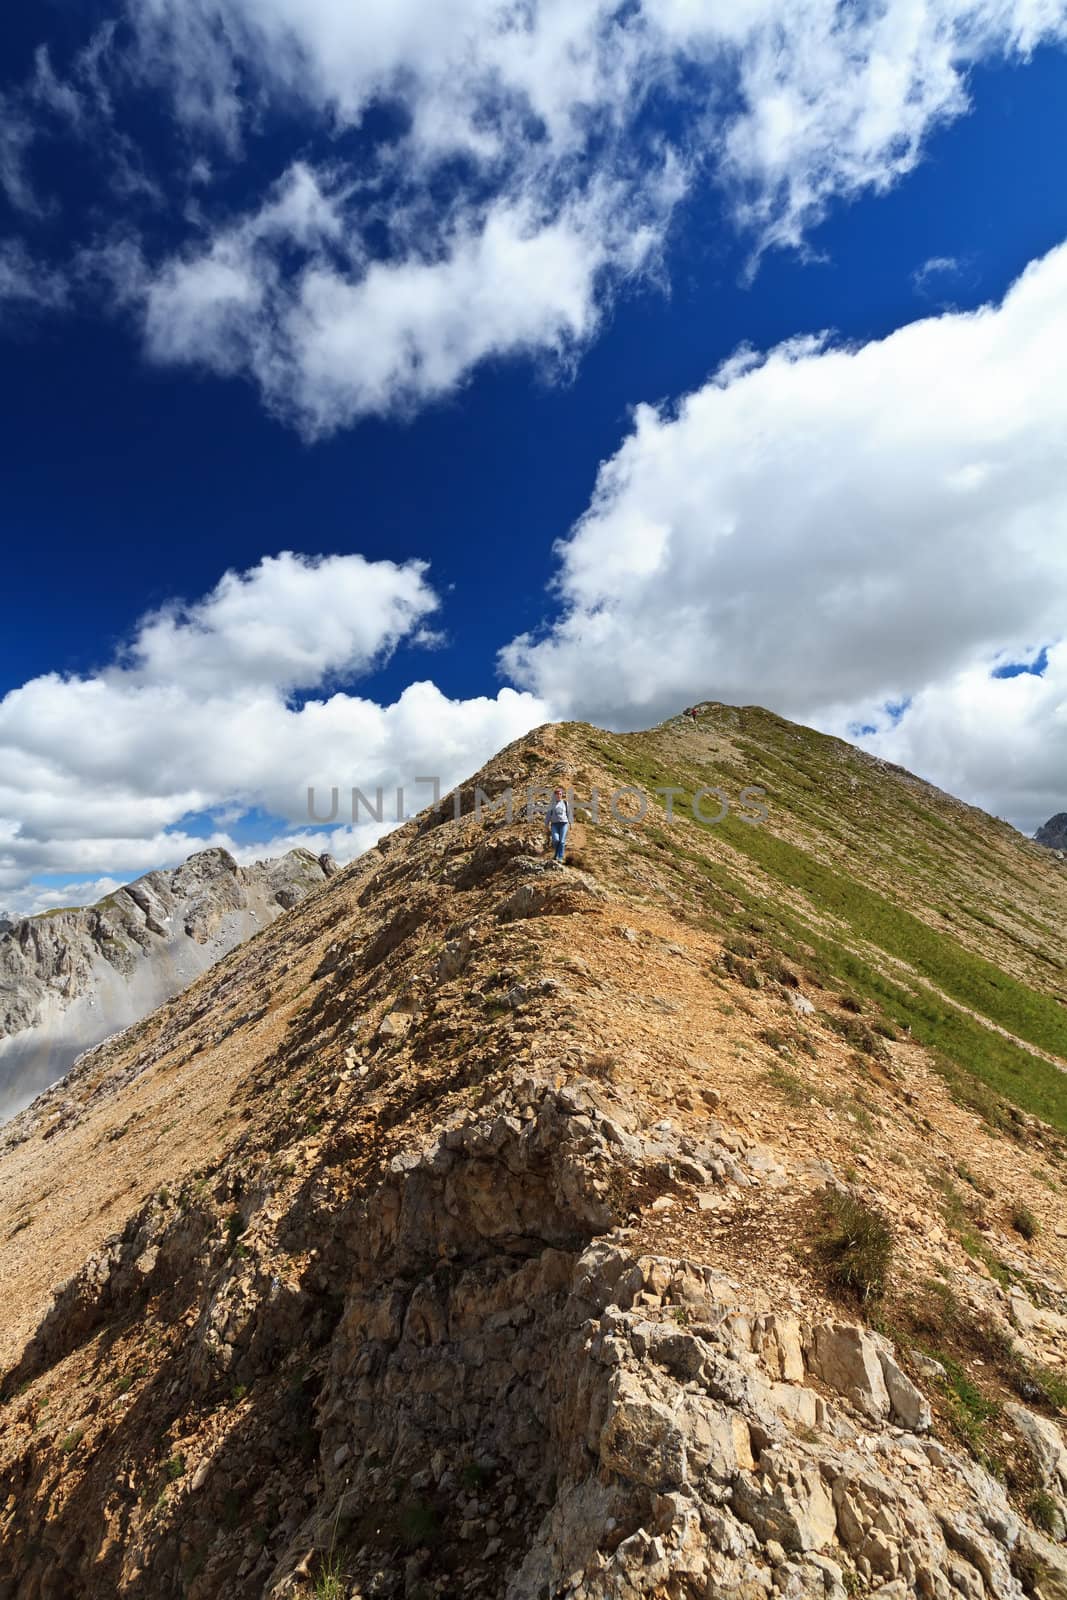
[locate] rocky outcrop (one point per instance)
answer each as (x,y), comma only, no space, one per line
(70,978)
(1053,833)
(515,1393)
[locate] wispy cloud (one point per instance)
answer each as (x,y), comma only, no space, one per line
(935,273)
(26,284)
(16,140)
(531,160)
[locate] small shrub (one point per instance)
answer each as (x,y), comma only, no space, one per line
(856,1033)
(793,1090)
(777,969)
(1040,1386)
(937,1311)
(1044,1512)
(971,1412)
(963,1171)
(774,1038)
(70,1442)
(857,1245)
(742,970)
(1024,1221)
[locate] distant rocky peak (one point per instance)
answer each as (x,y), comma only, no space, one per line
(1054,833)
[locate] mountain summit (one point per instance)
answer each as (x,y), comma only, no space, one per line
(690,1221)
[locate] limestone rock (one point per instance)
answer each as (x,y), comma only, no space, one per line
(848,1359)
(907,1405)
(641,1440)
(1044,1440)
(787,1502)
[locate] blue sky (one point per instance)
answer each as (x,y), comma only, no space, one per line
(316,292)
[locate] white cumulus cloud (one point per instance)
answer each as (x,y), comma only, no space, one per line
(345,337)
(198,715)
(999,741)
(467,180)
(827,530)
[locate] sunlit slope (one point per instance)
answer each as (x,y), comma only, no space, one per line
(947,919)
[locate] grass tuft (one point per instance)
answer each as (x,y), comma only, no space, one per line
(856,1244)
(1044,1512)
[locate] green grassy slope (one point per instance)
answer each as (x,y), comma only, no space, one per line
(943,920)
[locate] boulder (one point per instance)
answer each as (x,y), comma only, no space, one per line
(641,1439)
(848,1359)
(907,1405)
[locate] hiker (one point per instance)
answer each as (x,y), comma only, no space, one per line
(558,820)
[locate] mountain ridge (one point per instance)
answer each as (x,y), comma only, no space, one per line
(71,976)
(485,1228)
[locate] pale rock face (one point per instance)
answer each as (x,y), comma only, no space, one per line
(908,1407)
(777,1338)
(641,1440)
(787,1502)
(71,978)
(847,1358)
(1045,1443)
(1030,1319)
(631,1396)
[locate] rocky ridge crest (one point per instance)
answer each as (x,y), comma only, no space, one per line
(498,1266)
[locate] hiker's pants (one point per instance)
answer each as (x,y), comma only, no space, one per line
(558,834)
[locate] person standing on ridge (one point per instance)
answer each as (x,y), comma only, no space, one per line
(558,823)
